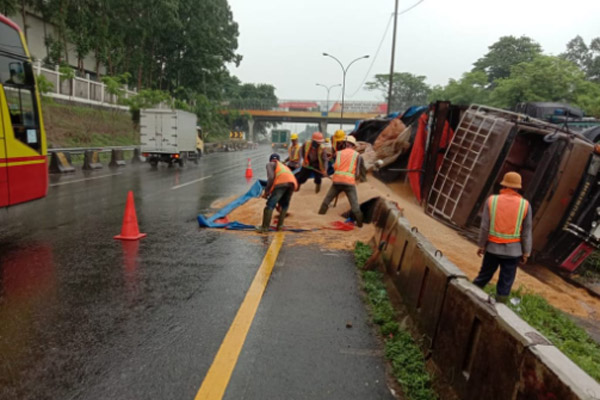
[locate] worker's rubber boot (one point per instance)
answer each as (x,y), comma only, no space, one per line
(323,209)
(359,219)
(317,188)
(282,216)
(501,299)
(267,215)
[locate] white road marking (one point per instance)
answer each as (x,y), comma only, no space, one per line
(191,182)
(85,179)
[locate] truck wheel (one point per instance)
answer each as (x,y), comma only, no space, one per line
(153,162)
(181,162)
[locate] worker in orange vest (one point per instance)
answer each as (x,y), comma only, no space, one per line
(505,238)
(314,160)
(281,184)
(347,168)
(293,160)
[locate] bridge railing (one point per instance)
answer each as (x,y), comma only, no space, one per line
(366,106)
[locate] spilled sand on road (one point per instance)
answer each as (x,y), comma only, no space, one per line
(303,214)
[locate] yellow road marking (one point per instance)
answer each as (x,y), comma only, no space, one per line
(217,378)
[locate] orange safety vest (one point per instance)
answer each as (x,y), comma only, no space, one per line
(507,213)
(345,165)
(306,161)
(283,175)
(294,153)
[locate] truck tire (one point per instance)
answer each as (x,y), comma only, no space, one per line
(153,162)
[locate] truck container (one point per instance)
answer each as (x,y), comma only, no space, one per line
(560,171)
(168,135)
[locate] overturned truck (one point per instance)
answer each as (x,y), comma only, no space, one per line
(559,170)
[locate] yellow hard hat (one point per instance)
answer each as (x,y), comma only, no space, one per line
(511,180)
(326,140)
(294,136)
(339,135)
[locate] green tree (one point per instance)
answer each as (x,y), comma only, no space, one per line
(547,78)
(505,53)
(8,7)
(585,57)
(407,89)
(471,88)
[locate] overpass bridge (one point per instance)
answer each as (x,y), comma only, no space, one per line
(308,111)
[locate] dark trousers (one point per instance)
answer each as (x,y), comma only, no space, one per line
(350,191)
(508,272)
(304,173)
(281,194)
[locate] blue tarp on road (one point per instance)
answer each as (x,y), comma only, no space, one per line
(255,191)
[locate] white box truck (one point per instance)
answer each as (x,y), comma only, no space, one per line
(168,135)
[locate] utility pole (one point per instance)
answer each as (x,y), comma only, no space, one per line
(391,83)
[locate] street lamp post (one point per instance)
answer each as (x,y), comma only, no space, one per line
(328,88)
(344,70)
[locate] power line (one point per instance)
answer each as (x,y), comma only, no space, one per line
(374,57)
(411,7)
(381,43)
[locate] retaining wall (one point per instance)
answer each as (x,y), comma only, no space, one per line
(484,350)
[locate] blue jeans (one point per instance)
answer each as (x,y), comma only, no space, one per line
(508,272)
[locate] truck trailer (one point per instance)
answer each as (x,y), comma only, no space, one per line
(560,170)
(168,136)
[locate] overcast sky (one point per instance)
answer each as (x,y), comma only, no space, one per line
(282,41)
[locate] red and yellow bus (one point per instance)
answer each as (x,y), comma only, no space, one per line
(23,156)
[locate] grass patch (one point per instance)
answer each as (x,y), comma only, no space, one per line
(80,126)
(565,334)
(408,364)
(590,270)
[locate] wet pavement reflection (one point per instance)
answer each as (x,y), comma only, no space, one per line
(75,303)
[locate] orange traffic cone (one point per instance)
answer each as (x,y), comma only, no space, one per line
(249,170)
(130,230)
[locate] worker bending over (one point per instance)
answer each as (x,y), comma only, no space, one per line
(505,236)
(347,168)
(314,160)
(281,184)
(293,160)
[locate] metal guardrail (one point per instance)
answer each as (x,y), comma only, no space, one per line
(81,150)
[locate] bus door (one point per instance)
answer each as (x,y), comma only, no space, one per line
(26,171)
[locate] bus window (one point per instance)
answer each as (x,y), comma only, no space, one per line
(22,115)
(11,42)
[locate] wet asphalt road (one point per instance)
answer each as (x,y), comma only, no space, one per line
(84,316)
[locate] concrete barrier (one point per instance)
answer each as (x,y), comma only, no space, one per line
(91,160)
(484,350)
(546,373)
(116,158)
(478,350)
(384,217)
(137,156)
(427,276)
(60,162)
